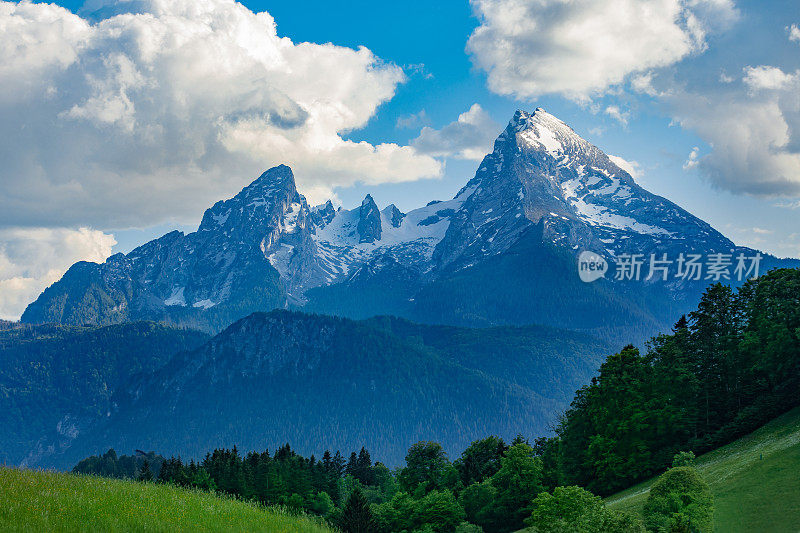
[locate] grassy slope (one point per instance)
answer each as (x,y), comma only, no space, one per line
(50,501)
(751,494)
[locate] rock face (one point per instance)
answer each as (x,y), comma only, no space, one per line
(502,251)
(369,221)
(541,172)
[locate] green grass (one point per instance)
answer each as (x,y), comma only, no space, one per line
(55,502)
(755,480)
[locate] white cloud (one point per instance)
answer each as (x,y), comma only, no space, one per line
(162,107)
(581,47)
(469,137)
(724,78)
(33,258)
(631,167)
(754,133)
(617,114)
(769,78)
(794,33)
(692,161)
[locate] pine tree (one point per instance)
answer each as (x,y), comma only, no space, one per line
(364,468)
(337,464)
(352,466)
(145,474)
(326,460)
(356,516)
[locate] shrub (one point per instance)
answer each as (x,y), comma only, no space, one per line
(679,499)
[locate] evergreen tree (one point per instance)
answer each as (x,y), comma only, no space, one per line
(145,474)
(364,468)
(356,515)
(352,465)
(337,464)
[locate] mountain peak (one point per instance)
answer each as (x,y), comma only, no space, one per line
(542,131)
(278,177)
(369,221)
(394,215)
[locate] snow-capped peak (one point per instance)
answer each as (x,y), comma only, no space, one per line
(542,131)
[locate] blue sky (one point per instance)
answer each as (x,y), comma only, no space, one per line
(701,96)
(434,35)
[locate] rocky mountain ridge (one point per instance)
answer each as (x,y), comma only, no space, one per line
(543,186)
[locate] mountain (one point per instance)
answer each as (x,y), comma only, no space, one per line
(317,381)
(57,381)
(503,251)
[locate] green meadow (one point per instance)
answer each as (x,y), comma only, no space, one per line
(755,481)
(50,501)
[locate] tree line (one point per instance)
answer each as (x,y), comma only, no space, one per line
(727,368)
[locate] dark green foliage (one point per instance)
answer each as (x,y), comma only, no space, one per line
(683,459)
(548,449)
(730,367)
(145,474)
(426,466)
(477,500)
(58,381)
(436,511)
(500,503)
(356,515)
(517,482)
(433,496)
(285,478)
(679,501)
(120,467)
(481,460)
(576,510)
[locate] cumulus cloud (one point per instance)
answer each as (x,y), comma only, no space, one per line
(154,109)
(767,77)
(617,114)
(754,133)
(794,33)
(469,137)
(581,47)
(33,258)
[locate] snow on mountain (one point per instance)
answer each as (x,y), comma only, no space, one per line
(542,172)
(266,247)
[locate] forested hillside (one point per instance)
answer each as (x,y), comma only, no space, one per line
(729,367)
(726,369)
(323,381)
(56,381)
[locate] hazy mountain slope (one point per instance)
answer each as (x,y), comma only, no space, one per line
(56,381)
(322,381)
